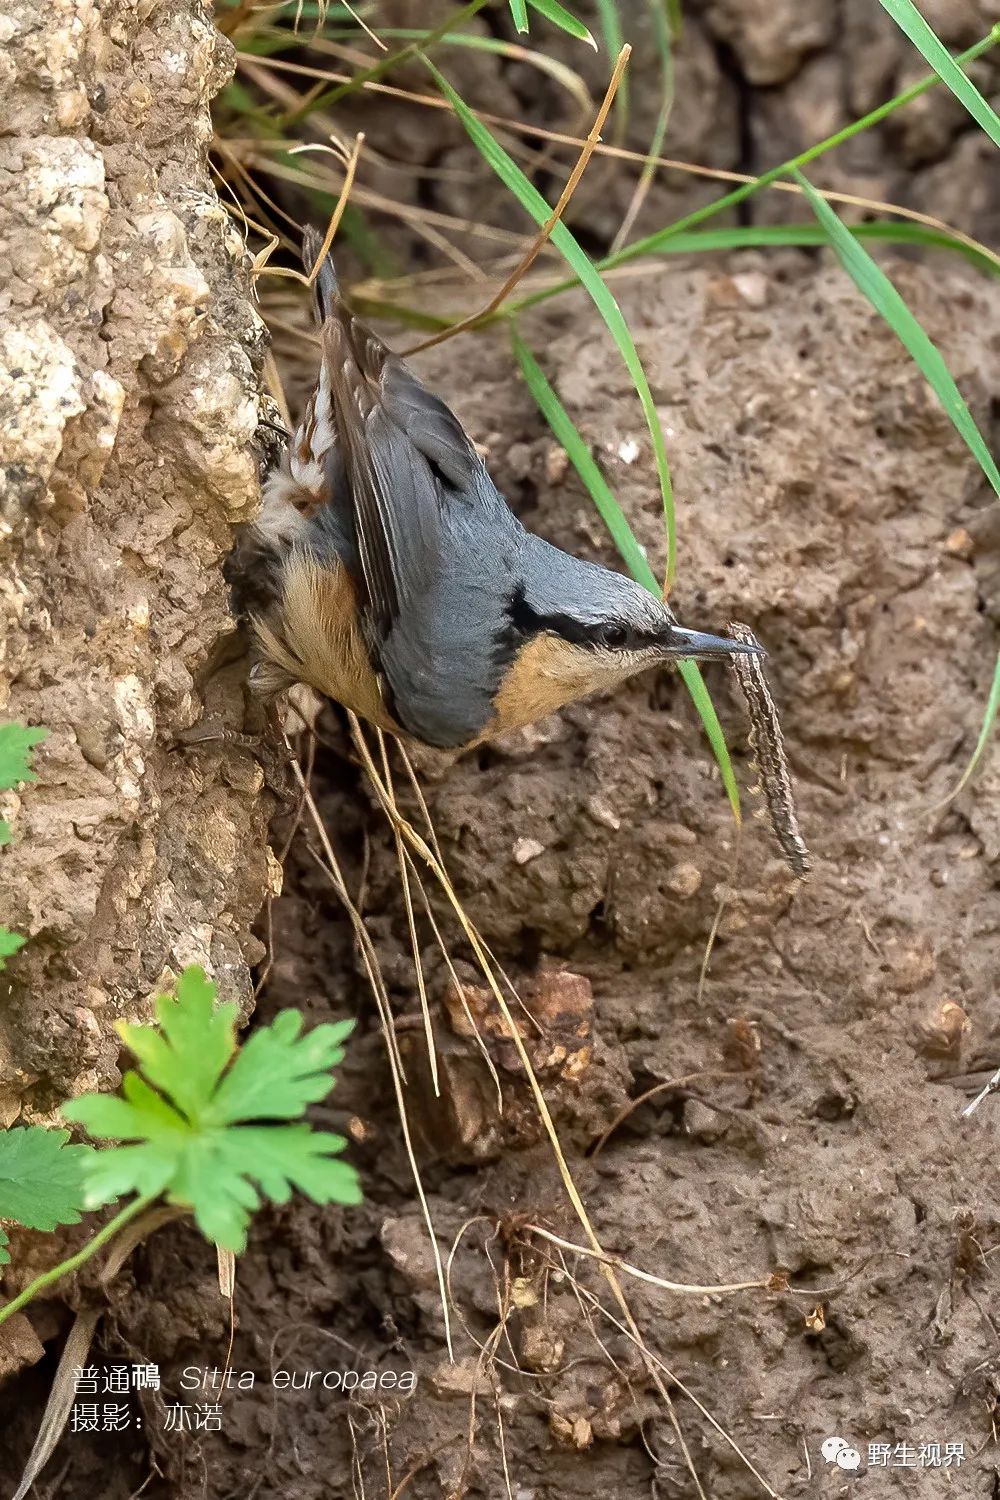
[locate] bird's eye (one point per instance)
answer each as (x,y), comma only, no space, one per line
(614,635)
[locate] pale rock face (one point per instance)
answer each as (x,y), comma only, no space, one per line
(129,354)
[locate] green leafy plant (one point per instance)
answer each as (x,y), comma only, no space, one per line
(41,1175)
(41,1179)
(192,1111)
(16,744)
(208,1124)
(10,942)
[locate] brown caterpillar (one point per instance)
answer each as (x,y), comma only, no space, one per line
(768,747)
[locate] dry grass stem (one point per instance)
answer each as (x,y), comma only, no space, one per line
(686,1289)
(377,983)
(623,153)
(535,248)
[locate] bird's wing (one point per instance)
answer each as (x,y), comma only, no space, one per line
(405,458)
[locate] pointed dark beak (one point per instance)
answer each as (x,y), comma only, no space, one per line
(694,645)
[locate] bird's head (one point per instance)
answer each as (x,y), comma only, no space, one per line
(585,629)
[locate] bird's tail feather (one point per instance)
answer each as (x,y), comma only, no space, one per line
(326,290)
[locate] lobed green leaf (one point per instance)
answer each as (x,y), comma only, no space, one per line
(16,743)
(186,1055)
(10,942)
(283,1157)
(277,1071)
(41,1178)
(145,1169)
(179,1113)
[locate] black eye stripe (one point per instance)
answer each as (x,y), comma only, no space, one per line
(526,621)
(523,621)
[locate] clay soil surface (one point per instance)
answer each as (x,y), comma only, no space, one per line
(806,1113)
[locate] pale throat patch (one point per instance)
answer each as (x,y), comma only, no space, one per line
(549,672)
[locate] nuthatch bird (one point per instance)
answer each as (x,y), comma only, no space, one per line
(388,572)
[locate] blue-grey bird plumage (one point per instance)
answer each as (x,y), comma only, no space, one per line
(387,570)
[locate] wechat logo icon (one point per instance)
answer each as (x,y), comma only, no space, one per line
(836,1450)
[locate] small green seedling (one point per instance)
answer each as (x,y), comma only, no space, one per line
(16,744)
(208,1124)
(201,1114)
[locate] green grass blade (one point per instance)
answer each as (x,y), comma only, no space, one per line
(767,236)
(614,40)
(700,697)
(611,30)
(624,539)
(930,45)
(532,201)
(519,12)
(585,465)
(741,237)
(564,19)
(737,196)
(665,47)
(989,721)
(873,283)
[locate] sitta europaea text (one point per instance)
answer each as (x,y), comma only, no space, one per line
(387,571)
